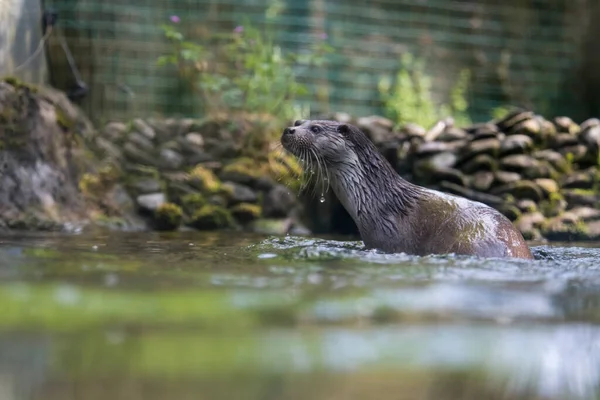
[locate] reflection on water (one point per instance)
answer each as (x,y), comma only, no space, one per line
(191,315)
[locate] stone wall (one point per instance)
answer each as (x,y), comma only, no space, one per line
(200,174)
(541,174)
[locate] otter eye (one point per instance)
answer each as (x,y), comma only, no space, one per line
(315,129)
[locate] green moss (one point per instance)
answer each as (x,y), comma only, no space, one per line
(246,212)
(211,217)
(168,217)
(19,84)
(205,180)
(63,120)
(193,202)
(244,166)
(91,185)
(143,171)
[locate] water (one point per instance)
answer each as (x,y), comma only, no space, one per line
(228,316)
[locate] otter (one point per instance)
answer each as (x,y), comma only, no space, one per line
(392,214)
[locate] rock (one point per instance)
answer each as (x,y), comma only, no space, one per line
(529,225)
(170,159)
(151,202)
(482,162)
(264,183)
(107,149)
(548,186)
(145,185)
(423,167)
(579,180)
(529,127)
(586,214)
(195,139)
(278,202)
(580,197)
(516,144)
(135,155)
(527,166)
(491,200)
(448,175)
(485,128)
(204,180)
(452,134)
(114,132)
(143,128)
(211,217)
(484,146)
(141,142)
(167,217)
(427,149)
(436,130)
(240,193)
(564,140)
(575,153)
(378,129)
(554,158)
(520,190)
(510,211)
(220,149)
(527,206)
(161,129)
(43,157)
(565,125)
(554,205)
(566,227)
(414,130)
(504,177)
(590,133)
(245,212)
(513,119)
(242,171)
(482,181)
(518,163)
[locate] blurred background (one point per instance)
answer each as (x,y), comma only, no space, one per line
(535,54)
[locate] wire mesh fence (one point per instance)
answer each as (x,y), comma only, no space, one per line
(519,53)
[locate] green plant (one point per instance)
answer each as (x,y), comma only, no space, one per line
(409,99)
(243,70)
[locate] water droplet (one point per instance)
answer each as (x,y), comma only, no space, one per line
(322,199)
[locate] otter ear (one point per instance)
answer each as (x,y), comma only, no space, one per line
(299,122)
(343,129)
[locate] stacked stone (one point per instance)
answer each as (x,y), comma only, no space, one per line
(189,172)
(541,174)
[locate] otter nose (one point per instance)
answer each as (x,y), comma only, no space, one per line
(288,131)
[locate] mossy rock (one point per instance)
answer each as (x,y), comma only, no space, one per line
(212,217)
(521,190)
(192,202)
(168,217)
(566,230)
(246,212)
(244,171)
(554,205)
(510,211)
(142,171)
(204,180)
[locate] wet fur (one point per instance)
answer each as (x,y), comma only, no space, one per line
(392,214)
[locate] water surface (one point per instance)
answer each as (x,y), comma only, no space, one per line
(231,316)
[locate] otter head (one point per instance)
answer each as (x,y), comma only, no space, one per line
(328,142)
